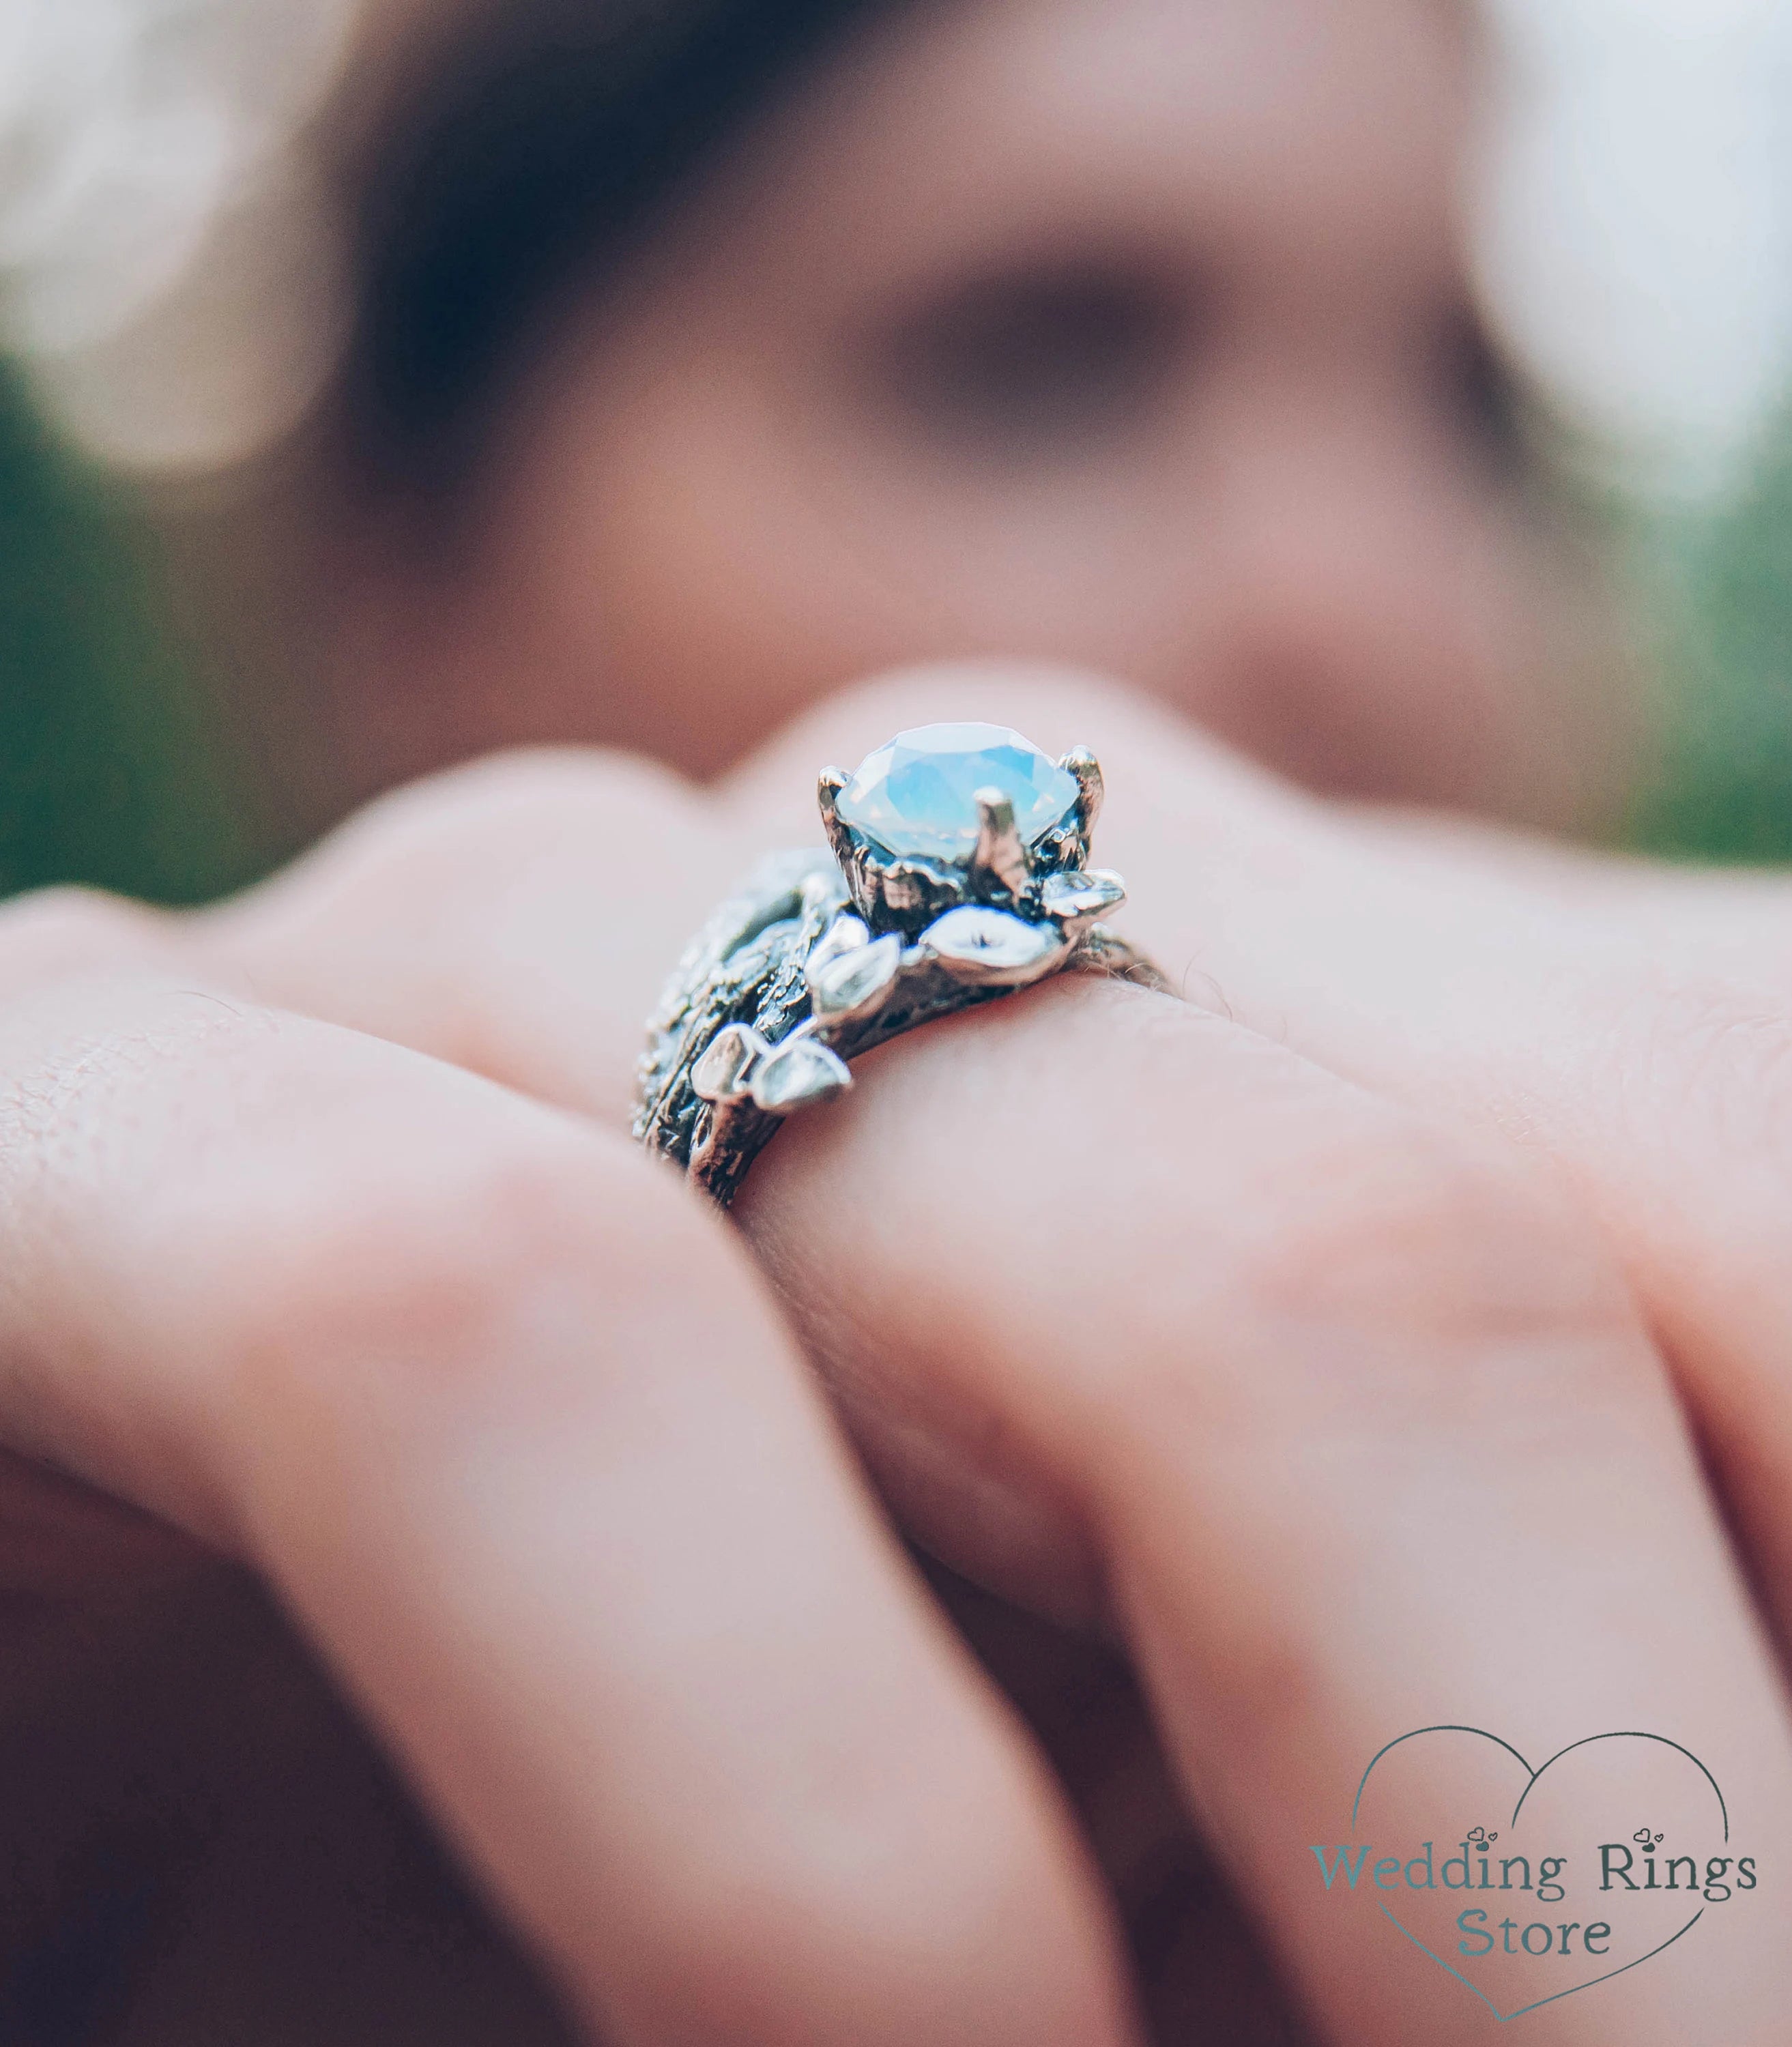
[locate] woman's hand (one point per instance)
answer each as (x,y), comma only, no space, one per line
(1335,1400)
(514,1433)
(1338,1401)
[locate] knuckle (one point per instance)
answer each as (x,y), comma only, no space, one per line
(1391,1280)
(511,803)
(116,1063)
(1725,1055)
(1388,1210)
(237,1170)
(376,1224)
(254,1228)
(444,883)
(438,1236)
(300,1153)
(56,934)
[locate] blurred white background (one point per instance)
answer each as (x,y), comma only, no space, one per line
(1637,223)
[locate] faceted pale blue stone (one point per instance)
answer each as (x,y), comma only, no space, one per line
(914,799)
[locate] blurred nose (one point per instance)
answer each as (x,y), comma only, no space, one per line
(1367,635)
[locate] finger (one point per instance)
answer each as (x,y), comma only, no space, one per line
(1361,1435)
(55,934)
(508,1422)
(517,918)
(1626,1027)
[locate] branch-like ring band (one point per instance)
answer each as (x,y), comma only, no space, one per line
(959,872)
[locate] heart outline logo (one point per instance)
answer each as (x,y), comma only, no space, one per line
(1532,1778)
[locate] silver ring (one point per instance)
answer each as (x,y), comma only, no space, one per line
(958,872)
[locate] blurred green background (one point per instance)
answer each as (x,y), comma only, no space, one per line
(1725,622)
(111,771)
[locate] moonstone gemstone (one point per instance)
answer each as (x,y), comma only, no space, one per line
(916,798)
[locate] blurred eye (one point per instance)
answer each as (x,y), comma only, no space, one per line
(1482,390)
(1035,364)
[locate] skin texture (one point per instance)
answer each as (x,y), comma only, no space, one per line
(1135,336)
(1331,1405)
(441,1605)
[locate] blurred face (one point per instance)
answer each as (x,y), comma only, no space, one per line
(1131,334)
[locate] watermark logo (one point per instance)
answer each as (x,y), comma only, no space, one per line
(1567,1892)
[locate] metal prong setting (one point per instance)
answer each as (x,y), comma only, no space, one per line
(999,850)
(828,785)
(1085,770)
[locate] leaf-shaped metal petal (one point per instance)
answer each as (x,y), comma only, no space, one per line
(797,1075)
(854,983)
(990,949)
(722,1074)
(844,934)
(1083,895)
